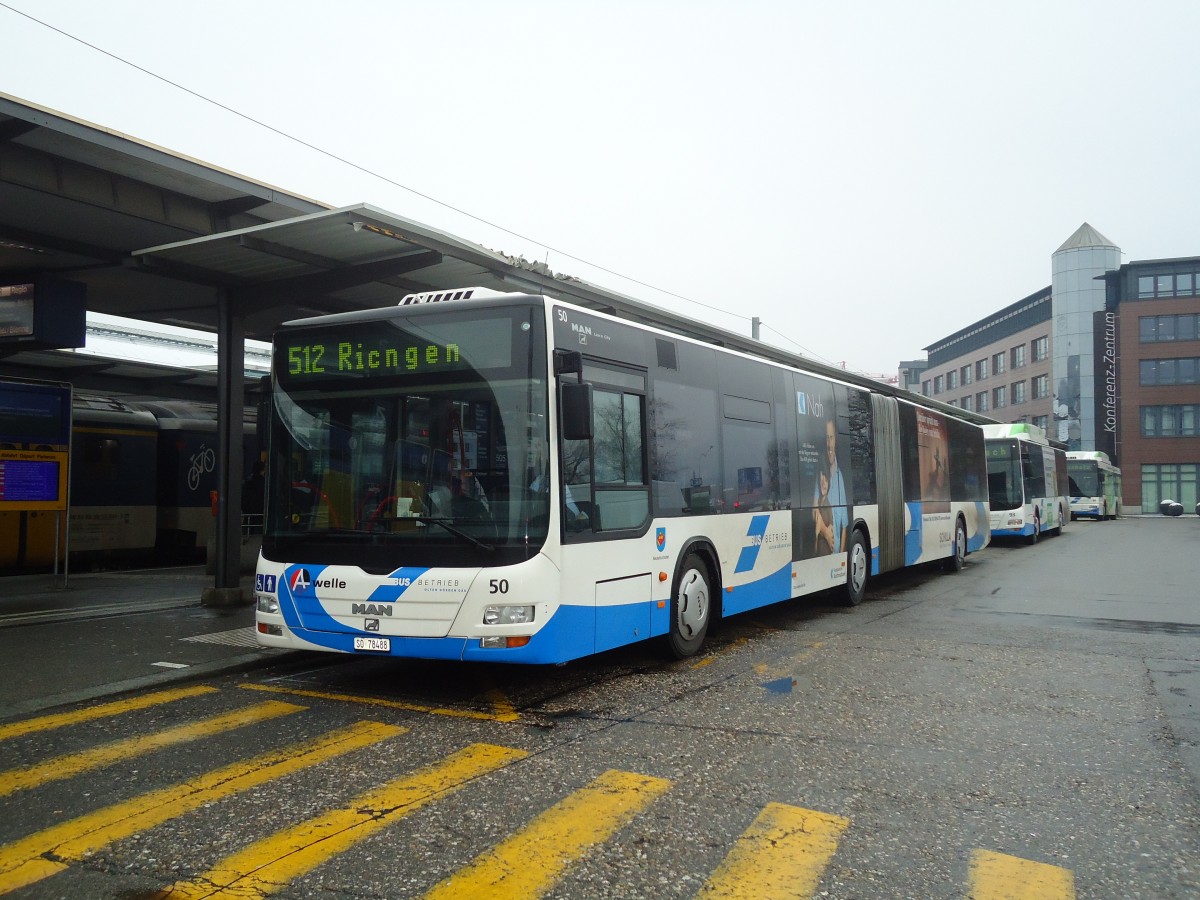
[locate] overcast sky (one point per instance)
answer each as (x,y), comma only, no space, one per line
(866,177)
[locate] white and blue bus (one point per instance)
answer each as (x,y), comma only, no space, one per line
(1095,485)
(1027,481)
(514,478)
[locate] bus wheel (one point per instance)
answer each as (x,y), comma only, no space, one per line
(1062,523)
(691,606)
(959,558)
(858,568)
(1037,530)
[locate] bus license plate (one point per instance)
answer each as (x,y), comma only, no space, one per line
(382,645)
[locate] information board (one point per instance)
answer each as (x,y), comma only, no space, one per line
(33,479)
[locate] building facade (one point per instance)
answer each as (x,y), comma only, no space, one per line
(1000,366)
(1105,358)
(1155,309)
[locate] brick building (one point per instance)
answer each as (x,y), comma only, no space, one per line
(1105,358)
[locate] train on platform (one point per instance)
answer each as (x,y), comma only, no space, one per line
(142,479)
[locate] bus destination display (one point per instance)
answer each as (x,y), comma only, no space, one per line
(352,353)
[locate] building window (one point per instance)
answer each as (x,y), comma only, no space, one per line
(981,369)
(1164,329)
(1042,422)
(1018,356)
(1169,482)
(1182,284)
(1041,387)
(952,380)
(1018,392)
(927,388)
(966,373)
(1169,371)
(1041,349)
(939,383)
(998,364)
(1172,420)
(999,397)
(981,401)
(952,402)
(968,402)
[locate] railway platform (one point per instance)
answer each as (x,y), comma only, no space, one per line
(108,632)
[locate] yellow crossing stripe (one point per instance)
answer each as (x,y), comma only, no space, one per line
(504,711)
(268,865)
(30,859)
(77,763)
(995,876)
(58,720)
(782,854)
(528,863)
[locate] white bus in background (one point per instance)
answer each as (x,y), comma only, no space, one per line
(518,479)
(1027,481)
(1095,485)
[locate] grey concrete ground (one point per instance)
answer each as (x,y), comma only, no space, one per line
(1042,704)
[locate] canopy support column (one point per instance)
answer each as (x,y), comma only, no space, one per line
(231,402)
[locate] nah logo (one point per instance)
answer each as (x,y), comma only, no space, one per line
(660,538)
(300,581)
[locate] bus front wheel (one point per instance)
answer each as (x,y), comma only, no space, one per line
(691,608)
(858,568)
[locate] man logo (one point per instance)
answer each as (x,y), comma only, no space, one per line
(660,538)
(300,581)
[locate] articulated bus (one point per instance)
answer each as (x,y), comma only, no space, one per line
(514,478)
(1095,485)
(1027,481)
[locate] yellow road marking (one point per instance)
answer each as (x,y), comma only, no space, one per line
(504,710)
(782,854)
(58,720)
(528,863)
(268,865)
(995,876)
(30,859)
(68,766)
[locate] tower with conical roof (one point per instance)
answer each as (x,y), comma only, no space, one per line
(1077,297)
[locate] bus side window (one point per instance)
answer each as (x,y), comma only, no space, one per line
(619,464)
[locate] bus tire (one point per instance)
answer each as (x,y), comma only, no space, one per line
(1062,523)
(691,607)
(858,568)
(1032,539)
(958,558)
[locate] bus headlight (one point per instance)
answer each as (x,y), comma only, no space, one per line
(507,615)
(267,604)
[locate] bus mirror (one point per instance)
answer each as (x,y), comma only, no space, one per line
(576,411)
(567,362)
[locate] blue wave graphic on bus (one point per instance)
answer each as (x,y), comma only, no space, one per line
(749,555)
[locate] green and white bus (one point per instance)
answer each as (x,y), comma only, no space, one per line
(1095,485)
(1027,481)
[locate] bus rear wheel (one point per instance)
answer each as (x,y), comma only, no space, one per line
(858,568)
(959,557)
(691,607)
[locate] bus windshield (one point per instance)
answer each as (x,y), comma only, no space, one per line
(409,442)
(1005,485)
(1084,478)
